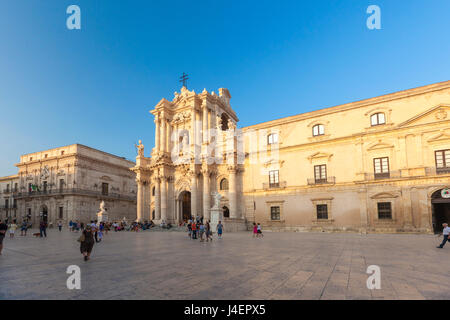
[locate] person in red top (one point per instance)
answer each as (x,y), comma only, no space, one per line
(194,230)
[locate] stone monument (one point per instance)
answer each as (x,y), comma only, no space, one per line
(102,215)
(216,212)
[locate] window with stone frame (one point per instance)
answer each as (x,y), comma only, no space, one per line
(320,173)
(61,213)
(105,189)
(377,119)
(274,180)
(318,130)
(272,138)
(384,210)
(224,184)
(442,158)
(381,168)
(322,211)
(275,213)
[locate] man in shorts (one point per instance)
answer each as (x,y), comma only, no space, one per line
(3,228)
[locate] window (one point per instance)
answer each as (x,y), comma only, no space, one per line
(61,212)
(224,184)
(6,203)
(105,189)
(377,119)
(45,186)
(272,138)
(322,212)
(381,168)
(62,153)
(16,187)
(442,161)
(384,210)
(46,155)
(153,192)
(318,130)
(61,184)
(320,173)
(275,213)
(7,188)
(224,119)
(274,178)
(15,203)
(31,158)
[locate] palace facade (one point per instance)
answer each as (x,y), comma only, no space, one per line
(68,183)
(377,165)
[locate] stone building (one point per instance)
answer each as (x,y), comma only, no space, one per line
(376,165)
(68,183)
(8,205)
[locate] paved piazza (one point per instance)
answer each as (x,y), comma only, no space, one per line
(167,265)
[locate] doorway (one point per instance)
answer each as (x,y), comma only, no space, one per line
(226,212)
(44,213)
(440,209)
(185,198)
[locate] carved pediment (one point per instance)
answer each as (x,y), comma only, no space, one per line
(438,113)
(441,136)
(384,195)
(274,163)
(380,145)
(320,155)
(106,178)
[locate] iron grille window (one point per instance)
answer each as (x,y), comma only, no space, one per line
(318,130)
(442,158)
(377,119)
(275,213)
(384,210)
(320,173)
(274,178)
(381,168)
(322,211)
(224,184)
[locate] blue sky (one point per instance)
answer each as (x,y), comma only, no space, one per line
(96,85)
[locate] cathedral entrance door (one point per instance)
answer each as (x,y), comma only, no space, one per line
(185,198)
(441,210)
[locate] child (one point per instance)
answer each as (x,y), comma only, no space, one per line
(255,230)
(259,231)
(100,235)
(190,230)
(219,229)
(202,231)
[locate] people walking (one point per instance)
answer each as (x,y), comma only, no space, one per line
(12,229)
(71,225)
(208,232)
(3,228)
(24,228)
(194,230)
(86,242)
(255,230)
(445,233)
(202,231)
(219,229)
(43,228)
(259,231)
(60,226)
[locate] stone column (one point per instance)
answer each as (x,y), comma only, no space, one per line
(169,138)
(232,192)
(164,198)
(206,196)
(407,209)
(205,123)
(140,200)
(163,134)
(194,196)
(157,131)
(158,199)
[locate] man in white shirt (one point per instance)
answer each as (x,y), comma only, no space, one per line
(446,233)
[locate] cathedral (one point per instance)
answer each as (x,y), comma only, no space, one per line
(376,165)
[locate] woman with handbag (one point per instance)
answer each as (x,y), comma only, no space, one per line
(86,242)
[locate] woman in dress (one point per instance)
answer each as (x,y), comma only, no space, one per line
(87,242)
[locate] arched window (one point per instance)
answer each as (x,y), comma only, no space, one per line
(272,138)
(226,212)
(224,122)
(224,184)
(377,119)
(153,191)
(318,130)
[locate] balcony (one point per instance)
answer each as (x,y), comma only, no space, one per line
(270,186)
(6,191)
(73,192)
(328,180)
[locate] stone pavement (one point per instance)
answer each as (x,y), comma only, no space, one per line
(167,265)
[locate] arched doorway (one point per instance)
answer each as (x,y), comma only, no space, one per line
(44,213)
(226,212)
(440,209)
(185,198)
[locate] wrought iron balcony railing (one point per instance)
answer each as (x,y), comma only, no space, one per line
(328,180)
(277,185)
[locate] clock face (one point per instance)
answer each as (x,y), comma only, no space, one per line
(445,193)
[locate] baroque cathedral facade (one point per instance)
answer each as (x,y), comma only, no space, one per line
(376,165)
